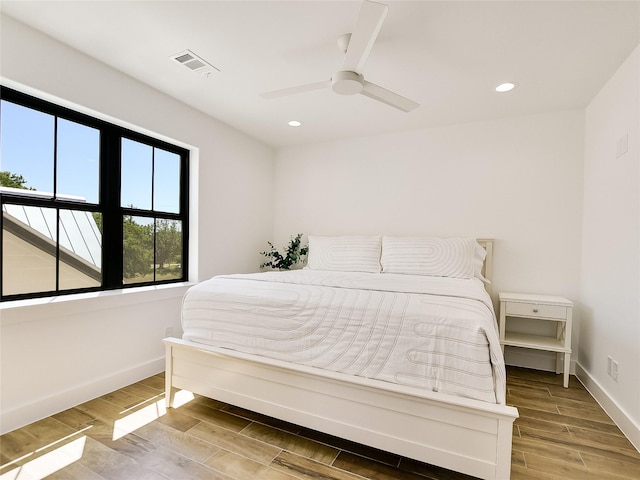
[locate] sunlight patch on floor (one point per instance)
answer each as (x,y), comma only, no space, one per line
(48,463)
(61,453)
(137,419)
(145,415)
(182,397)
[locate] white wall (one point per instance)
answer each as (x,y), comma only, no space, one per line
(517,180)
(610,287)
(64,352)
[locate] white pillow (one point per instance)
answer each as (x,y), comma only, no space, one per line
(438,257)
(345,254)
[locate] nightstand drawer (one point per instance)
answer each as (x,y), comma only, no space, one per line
(532,310)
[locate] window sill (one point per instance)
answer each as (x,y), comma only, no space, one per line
(81,302)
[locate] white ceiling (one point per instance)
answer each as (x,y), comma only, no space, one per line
(446,55)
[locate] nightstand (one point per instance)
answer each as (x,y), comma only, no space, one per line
(544,308)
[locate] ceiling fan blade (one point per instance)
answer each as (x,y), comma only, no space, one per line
(365,32)
(294,90)
(383,95)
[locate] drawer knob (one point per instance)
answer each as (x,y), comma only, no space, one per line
(535,310)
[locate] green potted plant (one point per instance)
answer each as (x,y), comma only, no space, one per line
(293,254)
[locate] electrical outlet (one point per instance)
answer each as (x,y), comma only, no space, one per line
(168,332)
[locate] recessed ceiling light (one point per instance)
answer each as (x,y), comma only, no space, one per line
(294,123)
(505,87)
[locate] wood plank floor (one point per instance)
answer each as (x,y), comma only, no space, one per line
(127,434)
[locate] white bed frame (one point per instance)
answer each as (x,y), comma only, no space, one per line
(461,434)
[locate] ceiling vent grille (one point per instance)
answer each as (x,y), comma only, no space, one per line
(194,62)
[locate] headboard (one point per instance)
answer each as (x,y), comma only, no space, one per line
(487,268)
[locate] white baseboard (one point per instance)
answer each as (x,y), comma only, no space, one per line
(70,397)
(609,405)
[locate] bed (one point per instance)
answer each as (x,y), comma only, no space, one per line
(387,341)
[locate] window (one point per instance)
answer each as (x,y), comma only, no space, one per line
(86,205)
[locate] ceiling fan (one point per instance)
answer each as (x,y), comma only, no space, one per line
(356,46)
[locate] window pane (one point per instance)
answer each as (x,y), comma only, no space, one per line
(28,249)
(168,249)
(78,161)
(166,181)
(137,174)
(54,162)
(26,147)
(80,249)
(138,249)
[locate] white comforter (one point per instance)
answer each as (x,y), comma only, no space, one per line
(429,332)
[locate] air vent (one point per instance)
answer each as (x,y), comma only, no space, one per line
(194,63)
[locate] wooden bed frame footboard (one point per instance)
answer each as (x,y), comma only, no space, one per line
(456,433)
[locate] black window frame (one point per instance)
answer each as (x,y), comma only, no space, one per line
(108,205)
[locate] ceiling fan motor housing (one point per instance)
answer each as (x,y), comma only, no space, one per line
(347,83)
(356,47)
